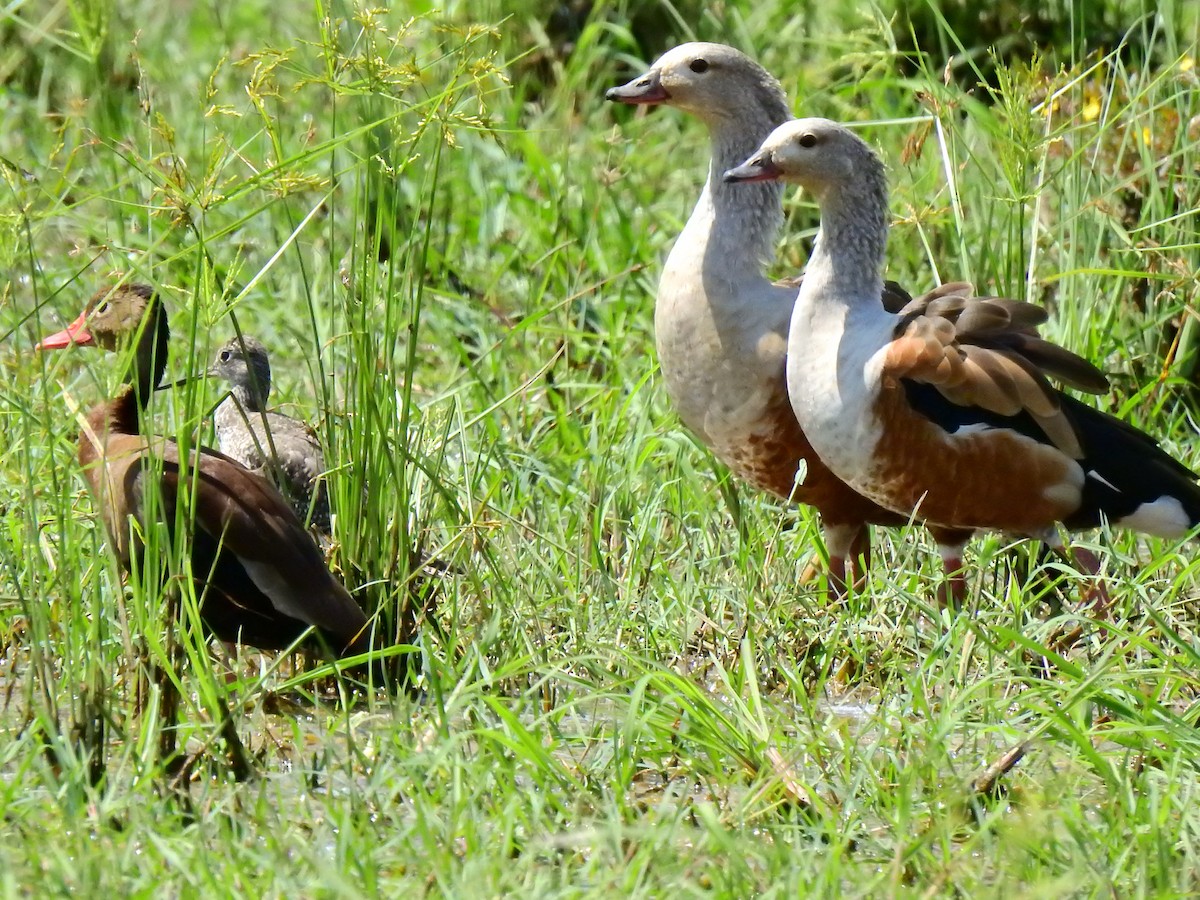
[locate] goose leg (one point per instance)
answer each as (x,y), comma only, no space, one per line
(849,548)
(1096,594)
(952,592)
(859,560)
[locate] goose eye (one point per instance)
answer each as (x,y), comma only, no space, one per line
(699,66)
(225,356)
(101,307)
(808,140)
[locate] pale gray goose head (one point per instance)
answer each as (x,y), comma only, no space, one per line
(740,103)
(818,154)
(712,81)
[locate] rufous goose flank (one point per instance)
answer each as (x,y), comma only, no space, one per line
(260,577)
(281,449)
(721,326)
(902,409)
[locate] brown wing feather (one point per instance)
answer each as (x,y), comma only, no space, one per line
(985,352)
(1055,362)
(239,509)
(257,524)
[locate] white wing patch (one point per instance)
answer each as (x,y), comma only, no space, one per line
(1165,517)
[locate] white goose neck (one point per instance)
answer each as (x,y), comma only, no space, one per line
(737,224)
(847,259)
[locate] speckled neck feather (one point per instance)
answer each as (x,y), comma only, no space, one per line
(745,219)
(253,386)
(849,252)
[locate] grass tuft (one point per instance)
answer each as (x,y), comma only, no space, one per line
(450,244)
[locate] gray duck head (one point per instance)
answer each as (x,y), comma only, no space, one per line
(244,364)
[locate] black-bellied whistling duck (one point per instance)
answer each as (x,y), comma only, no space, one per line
(903,410)
(260,577)
(283,450)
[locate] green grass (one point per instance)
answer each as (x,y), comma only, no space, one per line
(451,244)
